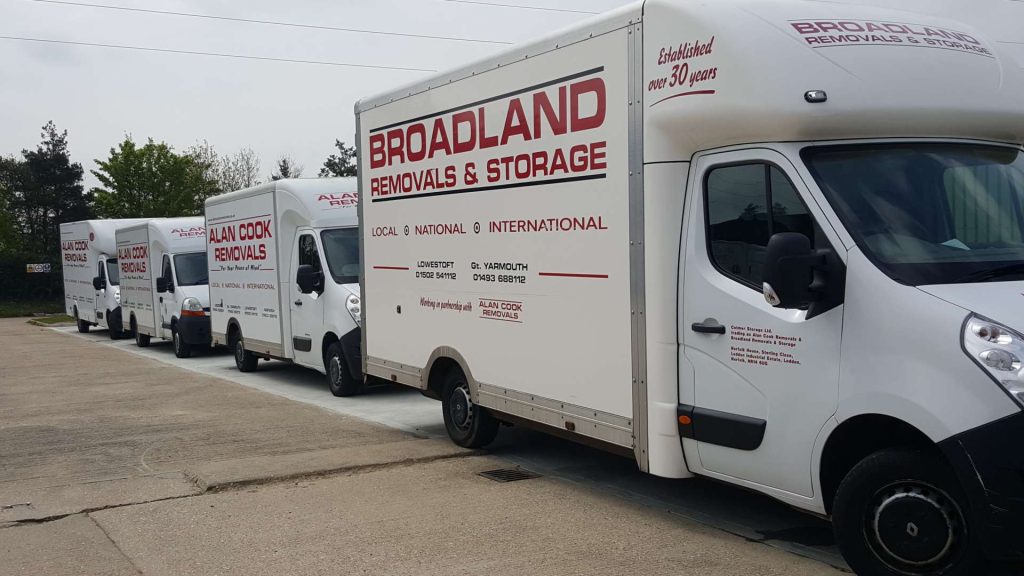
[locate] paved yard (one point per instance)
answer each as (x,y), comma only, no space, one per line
(111,463)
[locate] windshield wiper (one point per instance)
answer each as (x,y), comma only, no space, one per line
(992,273)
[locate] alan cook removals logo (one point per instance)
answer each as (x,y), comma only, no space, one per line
(571,106)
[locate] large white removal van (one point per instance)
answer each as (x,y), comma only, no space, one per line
(284,276)
(777,243)
(89,261)
(164,292)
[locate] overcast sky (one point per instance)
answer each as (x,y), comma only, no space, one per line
(101,94)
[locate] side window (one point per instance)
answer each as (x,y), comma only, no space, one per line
(739,223)
(165,270)
(308,254)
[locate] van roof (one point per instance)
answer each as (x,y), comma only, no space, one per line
(186,234)
(321,202)
(765,63)
(102,232)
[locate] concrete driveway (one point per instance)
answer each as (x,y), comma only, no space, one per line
(112,463)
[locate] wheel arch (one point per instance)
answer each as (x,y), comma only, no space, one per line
(329,338)
(441,360)
(857,437)
(233,330)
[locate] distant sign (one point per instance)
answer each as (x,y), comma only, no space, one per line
(37,268)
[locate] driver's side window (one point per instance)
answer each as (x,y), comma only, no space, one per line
(308,254)
(739,223)
(165,270)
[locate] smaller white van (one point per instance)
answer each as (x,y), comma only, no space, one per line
(284,276)
(91,284)
(162,264)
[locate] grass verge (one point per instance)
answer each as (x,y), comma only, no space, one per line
(18,309)
(51,320)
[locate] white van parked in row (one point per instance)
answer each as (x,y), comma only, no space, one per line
(284,276)
(164,292)
(89,261)
(777,243)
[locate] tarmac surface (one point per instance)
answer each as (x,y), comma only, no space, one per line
(128,463)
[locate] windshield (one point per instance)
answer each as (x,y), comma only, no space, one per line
(341,249)
(929,213)
(113,277)
(190,269)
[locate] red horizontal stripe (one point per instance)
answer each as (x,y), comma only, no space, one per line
(569,275)
(390,267)
(694,93)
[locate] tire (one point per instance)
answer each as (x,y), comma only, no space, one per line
(468,425)
(115,332)
(83,326)
(141,340)
(245,361)
(181,348)
(339,377)
(902,512)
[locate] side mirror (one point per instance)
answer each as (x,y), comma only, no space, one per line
(161,285)
(790,278)
(99,283)
(309,279)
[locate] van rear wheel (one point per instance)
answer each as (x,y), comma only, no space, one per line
(339,377)
(901,512)
(141,340)
(468,424)
(83,326)
(245,361)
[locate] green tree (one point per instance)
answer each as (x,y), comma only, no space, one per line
(341,164)
(151,181)
(11,173)
(41,191)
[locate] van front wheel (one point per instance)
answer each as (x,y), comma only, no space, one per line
(339,377)
(468,424)
(181,348)
(902,512)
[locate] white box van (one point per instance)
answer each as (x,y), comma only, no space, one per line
(775,243)
(89,261)
(284,276)
(164,292)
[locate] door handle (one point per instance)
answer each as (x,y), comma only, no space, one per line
(708,326)
(161,299)
(298,302)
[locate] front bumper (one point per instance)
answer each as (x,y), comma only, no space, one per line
(195,330)
(990,463)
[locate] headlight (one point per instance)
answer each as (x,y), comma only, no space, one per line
(999,351)
(355,309)
(117,296)
(192,307)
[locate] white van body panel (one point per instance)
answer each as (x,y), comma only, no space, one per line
(610,348)
(252,279)
(84,245)
(141,251)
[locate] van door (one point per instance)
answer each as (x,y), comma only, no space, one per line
(765,379)
(307,309)
(166,299)
(100,296)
